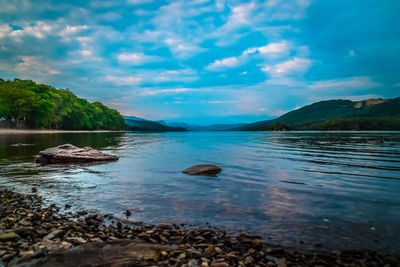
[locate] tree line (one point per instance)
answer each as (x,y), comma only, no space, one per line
(43,106)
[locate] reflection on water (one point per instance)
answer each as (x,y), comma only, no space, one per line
(338,189)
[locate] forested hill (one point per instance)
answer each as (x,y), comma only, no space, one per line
(371,114)
(142,125)
(28,104)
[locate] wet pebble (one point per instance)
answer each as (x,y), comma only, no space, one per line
(30,230)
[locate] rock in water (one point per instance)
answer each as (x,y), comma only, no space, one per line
(203,169)
(117,253)
(65,154)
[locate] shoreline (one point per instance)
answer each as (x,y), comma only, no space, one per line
(4,131)
(35,235)
(39,131)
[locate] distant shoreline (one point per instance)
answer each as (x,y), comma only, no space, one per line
(37,131)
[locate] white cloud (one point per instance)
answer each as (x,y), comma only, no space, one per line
(103,3)
(282,10)
(4,30)
(222,102)
(289,67)
(32,65)
(84,39)
(183,75)
(271,48)
(138,2)
(168,91)
(109,16)
(15,6)
(274,49)
(39,30)
(122,80)
(72,30)
(358,82)
(239,17)
(86,53)
(220,4)
(230,62)
(181,48)
(137,58)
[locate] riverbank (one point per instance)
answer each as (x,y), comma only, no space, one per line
(42,236)
(29,131)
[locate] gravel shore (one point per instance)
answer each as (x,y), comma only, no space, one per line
(34,235)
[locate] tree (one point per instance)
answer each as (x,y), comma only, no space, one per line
(46,107)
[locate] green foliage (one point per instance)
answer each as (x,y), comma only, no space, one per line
(43,106)
(279,126)
(337,115)
(361,124)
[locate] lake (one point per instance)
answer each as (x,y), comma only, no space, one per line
(328,190)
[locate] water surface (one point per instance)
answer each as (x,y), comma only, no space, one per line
(341,190)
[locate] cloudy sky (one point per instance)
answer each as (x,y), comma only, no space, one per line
(204,61)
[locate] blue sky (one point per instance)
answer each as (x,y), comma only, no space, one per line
(205,61)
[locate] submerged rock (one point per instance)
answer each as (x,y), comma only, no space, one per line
(203,169)
(8,237)
(117,253)
(68,153)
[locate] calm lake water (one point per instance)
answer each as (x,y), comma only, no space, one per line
(341,190)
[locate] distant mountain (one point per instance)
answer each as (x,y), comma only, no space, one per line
(214,127)
(162,122)
(371,114)
(149,126)
(133,118)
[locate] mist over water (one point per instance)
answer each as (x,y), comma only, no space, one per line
(338,189)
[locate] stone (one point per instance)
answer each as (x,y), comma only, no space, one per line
(8,237)
(54,234)
(218,250)
(128,213)
(65,245)
(27,254)
(24,232)
(277,251)
(210,251)
(193,263)
(182,256)
(231,255)
(75,240)
(2,252)
(256,243)
(67,154)
(219,264)
(8,257)
(203,169)
(163,238)
(118,253)
(249,260)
